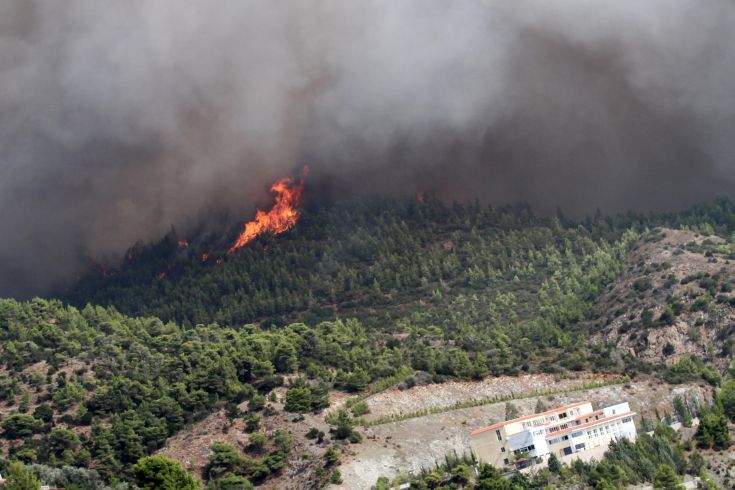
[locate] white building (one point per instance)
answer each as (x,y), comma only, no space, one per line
(573,432)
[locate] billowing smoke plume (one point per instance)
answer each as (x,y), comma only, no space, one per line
(123,118)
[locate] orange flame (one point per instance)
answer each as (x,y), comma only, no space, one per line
(182,244)
(282,216)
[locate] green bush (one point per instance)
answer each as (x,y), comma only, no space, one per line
(160,473)
(20,425)
(359,409)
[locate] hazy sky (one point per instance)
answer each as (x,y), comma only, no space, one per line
(123,118)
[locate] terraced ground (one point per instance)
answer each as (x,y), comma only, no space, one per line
(411,444)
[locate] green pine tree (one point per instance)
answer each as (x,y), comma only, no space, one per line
(160,473)
(19,477)
(666,479)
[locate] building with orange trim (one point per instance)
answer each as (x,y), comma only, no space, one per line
(572,432)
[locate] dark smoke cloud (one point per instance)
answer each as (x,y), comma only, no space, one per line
(121,119)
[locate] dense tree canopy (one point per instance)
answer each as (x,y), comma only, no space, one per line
(352,295)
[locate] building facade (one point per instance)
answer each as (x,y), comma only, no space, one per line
(572,432)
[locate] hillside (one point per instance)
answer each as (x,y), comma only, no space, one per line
(425,279)
(377,260)
(495,280)
(353,260)
(673,300)
(352,301)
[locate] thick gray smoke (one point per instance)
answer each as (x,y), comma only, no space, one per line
(123,118)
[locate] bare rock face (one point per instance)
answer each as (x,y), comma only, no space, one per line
(674,299)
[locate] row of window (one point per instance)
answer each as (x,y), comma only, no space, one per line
(605,429)
(577,447)
(556,428)
(557,440)
(551,418)
(526,449)
(572,422)
(596,432)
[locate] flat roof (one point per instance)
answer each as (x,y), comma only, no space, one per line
(520,419)
(551,435)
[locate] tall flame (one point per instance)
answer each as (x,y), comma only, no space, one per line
(282,216)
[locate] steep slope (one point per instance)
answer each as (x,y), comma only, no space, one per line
(673,300)
(388,257)
(457,292)
(376,259)
(453,286)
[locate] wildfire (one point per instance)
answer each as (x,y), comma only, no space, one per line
(282,216)
(182,244)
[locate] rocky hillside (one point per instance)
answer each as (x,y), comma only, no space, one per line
(673,300)
(351,302)
(415,443)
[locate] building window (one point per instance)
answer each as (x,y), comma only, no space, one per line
(580,447)
(577,434)
(626,420)
(497,433)
(526,449)
(502,449)
(505,461)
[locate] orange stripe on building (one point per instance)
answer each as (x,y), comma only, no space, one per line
(551,435)
(521,419)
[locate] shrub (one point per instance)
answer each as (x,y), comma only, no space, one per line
(642,284)
(160,473)
(360,408)
(20,425)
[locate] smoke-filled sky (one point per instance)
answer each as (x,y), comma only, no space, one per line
(123,118)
